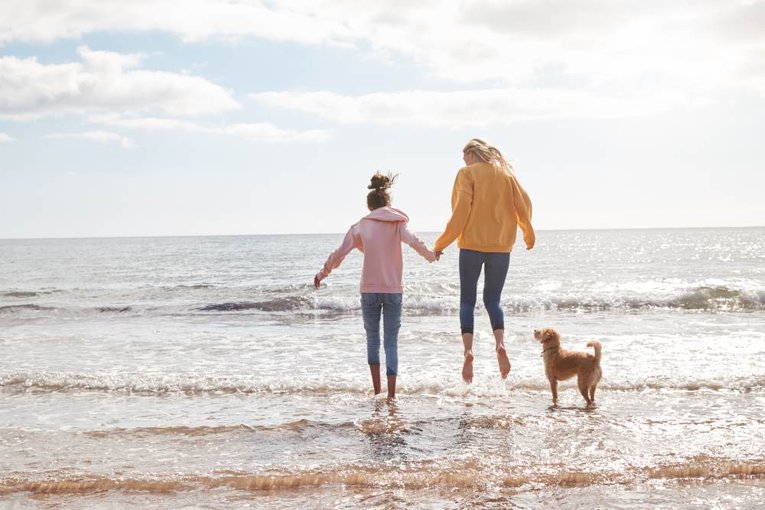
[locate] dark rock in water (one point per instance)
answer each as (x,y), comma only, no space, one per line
(114,309)
(20,294)
(18,308)
(274,305)
(230,307)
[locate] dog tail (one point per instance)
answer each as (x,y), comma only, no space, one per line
(596,345)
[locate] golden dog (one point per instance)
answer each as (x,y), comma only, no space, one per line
(561,364)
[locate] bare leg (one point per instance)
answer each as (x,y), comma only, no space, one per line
(504,362)
(375,370)
(391,388)
(467,366)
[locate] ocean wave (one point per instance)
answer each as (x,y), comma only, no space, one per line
(7,309)
(19,294)
(117,309)
(372,426)
(143,384)
(451,475)
(702,298)
(206,430)
(285,304)
(31,307)
(25,294)
(720,298)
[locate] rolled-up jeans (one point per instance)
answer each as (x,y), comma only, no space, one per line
(496,265)
(373,304)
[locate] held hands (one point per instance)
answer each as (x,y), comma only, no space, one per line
(438,254)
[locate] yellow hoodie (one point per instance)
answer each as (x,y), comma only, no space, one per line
(488,206)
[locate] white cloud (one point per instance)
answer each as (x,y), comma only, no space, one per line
(193,20)
(5,138)
(96,136)
(103,81)
(261,132)
(468,108)
(680,48)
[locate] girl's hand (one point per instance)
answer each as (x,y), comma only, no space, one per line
(316,282)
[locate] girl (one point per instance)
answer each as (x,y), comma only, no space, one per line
(378,236)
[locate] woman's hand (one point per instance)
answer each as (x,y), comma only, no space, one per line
(316,281)
(438,255)
(530,240)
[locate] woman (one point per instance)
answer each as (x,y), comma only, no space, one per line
(488,206)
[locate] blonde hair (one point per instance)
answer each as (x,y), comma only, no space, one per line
(488,154)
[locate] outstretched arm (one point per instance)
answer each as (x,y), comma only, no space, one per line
(415,242)
(462,202)
(523,214)
(335,258)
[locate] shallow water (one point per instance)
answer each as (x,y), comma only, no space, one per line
(206,372)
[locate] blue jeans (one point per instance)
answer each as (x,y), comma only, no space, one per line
(496,264)
(372,304)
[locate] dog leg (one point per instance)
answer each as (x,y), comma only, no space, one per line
(554,389)
(583,389)
(594,384)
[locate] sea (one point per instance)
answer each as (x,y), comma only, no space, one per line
(208,373)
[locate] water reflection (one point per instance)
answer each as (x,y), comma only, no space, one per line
(466,430)
(386,432)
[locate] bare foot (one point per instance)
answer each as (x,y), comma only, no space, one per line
(467,368)
(504,363)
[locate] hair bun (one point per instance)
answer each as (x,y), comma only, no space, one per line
(381,182)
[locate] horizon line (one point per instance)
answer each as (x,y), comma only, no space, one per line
(164,236)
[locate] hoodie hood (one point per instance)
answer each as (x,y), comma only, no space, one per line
(387,214)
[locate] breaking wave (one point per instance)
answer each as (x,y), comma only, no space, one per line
(455,475)
(285,304)
(704,298)
(143,384)
(24,294)
(25,307)
(192,431)
(19,294)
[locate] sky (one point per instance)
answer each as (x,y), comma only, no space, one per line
(203,117)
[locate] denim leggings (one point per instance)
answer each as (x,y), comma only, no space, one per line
(496,264)
(372,305)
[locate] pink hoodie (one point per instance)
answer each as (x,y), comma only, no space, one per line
(378,235)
